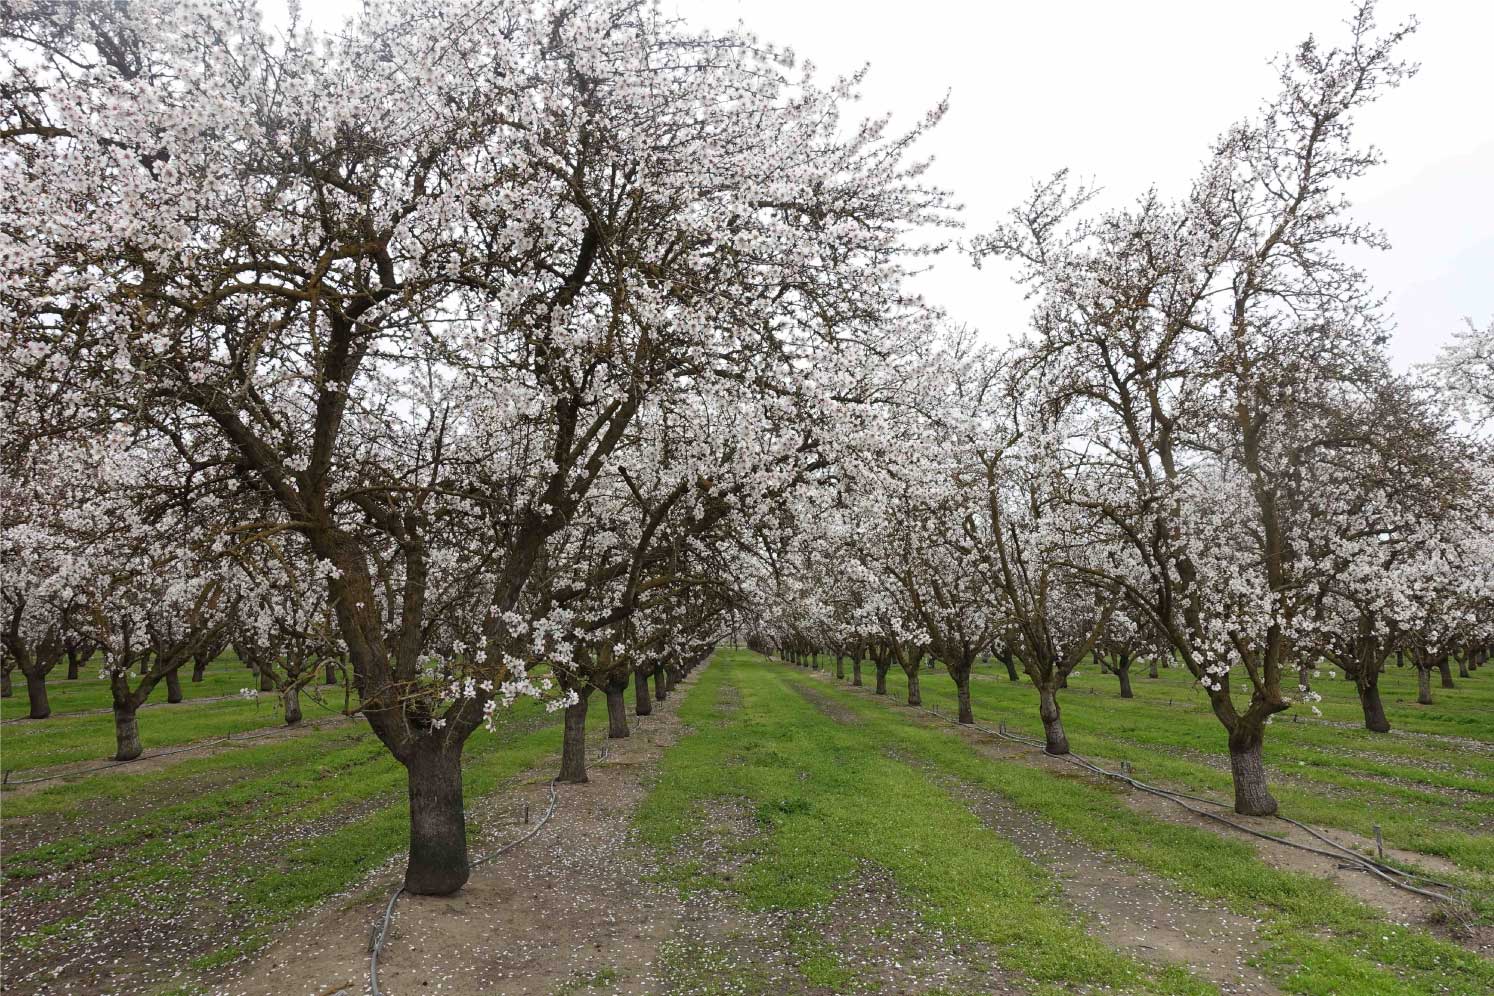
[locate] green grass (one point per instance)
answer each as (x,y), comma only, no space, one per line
(253,837)
(67,738)
(827,800)
(1316,938)
(224,676)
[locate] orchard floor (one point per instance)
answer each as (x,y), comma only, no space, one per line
(768,830)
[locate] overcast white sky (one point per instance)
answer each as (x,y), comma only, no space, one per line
(1131,94)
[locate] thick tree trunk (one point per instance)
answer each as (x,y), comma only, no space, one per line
(36,692)
(1055,741)
(265,682)
(438,826)
(643,705)
(840,668)
(290,700)
(1423,685)
(1444,664)
(661,688)
(856,672)
(6,688)
(617,711)
(1374,710)
(1249,773)
(915,697)
(126,734)
(882,670)
(74,663)
(329,674)
(1123,671)
(1011,668)
(173,686)
(573,746)
(1151,671)
(1463,667)
(961,676)
(199,668)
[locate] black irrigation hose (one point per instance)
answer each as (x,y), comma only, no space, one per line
(1385,872)
(376,942)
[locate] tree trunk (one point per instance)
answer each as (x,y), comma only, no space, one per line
(1463,667)
(1369,700)
(882,670)
(1123,671)
(856,672)
(1423,685)
(1151,671)
(1304,678)
(1444,665)
(438,826)
(1249,773)
(6,688)
(661,688)
(126,734)
(961,676)
(643,705)
(265,682)
(290,699)
(199,668)
(840,668)
(1011,668)
(329,674)
(617,711)
(573,746)
(74,662)
(915,697)
(1056,742)
(36,692)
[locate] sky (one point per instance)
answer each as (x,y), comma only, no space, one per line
(1130,94)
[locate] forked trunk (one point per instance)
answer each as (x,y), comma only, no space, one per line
(1369,700)
(438,825)
(1423,685)
(36,692)
(573,747)
(643,705)
(1249,772)
(126,734)
(173,685)
(290,699)
(617,711)
(1055,741)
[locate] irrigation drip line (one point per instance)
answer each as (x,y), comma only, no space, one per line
(1390,874)
(381,932)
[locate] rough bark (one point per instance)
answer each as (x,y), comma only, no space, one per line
(961,676)
(856,672)
(1249,772)
(126,734)
(643,705)
(1444,664)
(1123,671)
(573,745)
(1423,685)
(661,688)
(438,825)
(6,688)
(329,674)
(1055,741)
(173,686)
(617,711)
(915,694)
(290,700)
(1151,671)
(840,667)
(882,670)
(1369,700)
(36,692)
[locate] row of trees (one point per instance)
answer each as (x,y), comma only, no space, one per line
(494,350)
(1200,453)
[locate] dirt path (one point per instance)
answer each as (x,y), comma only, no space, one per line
(560,913)
(1128,909)
(1396,904)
